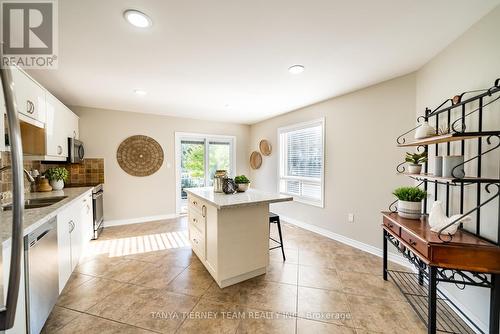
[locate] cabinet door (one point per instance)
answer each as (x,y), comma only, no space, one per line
(30,97)
(76,238)
(87,220)
(64,247)
(55,128)
(72,125)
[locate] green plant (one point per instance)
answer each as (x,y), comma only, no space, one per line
(56,174)
(416,158)
(409,194)
(242,179)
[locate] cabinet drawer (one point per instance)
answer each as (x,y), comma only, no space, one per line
(195,203)
(197,240)
(196,219)
(415,243)
(391,226)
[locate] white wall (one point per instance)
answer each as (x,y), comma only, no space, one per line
(471,62)
(360,157)
(126,196)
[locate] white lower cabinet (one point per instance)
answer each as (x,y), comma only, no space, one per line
(72,236)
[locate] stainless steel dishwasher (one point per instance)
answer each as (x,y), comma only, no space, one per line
(42,274)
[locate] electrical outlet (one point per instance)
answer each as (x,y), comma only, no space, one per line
(350,218)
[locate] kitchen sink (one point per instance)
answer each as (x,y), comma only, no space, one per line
(36,203)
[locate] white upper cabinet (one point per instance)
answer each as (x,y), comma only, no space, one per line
(30,98)
(56,129)
(72,125)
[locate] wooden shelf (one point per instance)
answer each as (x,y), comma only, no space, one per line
(467,179)
(449,138)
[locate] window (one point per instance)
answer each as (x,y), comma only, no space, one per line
(302,161)
(198,157)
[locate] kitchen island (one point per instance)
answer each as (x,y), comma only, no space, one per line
(230,233)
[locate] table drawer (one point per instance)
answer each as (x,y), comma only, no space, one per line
(196,219)
(197,240)
(391,226)
(195,203)
(415,243)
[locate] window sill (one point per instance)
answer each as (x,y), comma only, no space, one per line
(303,200)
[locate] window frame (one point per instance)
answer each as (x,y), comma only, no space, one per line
(282,160)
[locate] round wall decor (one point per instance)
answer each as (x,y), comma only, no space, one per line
(265,147)
(140,155)
(255,160)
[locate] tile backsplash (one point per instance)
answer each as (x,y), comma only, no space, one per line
(91,171)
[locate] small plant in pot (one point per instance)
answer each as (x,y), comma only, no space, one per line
(415,161)
(410,201)
(56,176)
(242,182)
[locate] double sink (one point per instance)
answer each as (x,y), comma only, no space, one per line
(37,203)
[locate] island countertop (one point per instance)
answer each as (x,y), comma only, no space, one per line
(249,197)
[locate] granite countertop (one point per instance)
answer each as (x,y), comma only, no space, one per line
(249,197)
(33,218)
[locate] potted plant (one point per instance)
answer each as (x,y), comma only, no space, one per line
(242,182)
(415,161)
(410,201)
(57,176)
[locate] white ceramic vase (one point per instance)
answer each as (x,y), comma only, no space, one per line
(57,184)
(424,131)
(410,210)
(414,169)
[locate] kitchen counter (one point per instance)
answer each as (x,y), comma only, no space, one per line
(33,218)
(250,197)
(230,233)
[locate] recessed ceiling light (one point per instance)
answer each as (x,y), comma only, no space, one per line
(140,92)
(137,18)
(296,69)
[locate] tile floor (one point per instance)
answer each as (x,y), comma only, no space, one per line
(143,278)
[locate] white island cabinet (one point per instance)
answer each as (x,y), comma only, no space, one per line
(230,233)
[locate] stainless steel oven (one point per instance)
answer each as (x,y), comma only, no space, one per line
(76,151)
(97,201)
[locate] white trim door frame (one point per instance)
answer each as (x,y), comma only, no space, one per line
(206,138)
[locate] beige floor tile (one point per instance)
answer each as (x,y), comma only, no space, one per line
(191,281)
(369,285)
(257,293)
(281,273)
(88,294)
(148,308)
(324,305)
(209,316)
(319,277)
(88,324)
(114,268)
(59,318)
(379,315)
(316,258)
(157,277)
(266,322)
(291,254)
(76,279)
(180,257)
(305,326)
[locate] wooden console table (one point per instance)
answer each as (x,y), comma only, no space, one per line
(466,260)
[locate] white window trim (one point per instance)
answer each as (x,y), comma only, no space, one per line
(299,126)
(202,136)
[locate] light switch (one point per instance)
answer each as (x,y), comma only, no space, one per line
(350,218)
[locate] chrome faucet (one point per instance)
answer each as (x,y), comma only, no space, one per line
(28,174)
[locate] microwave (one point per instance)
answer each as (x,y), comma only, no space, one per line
(76,151)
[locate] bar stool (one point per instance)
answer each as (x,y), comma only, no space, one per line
(275,219)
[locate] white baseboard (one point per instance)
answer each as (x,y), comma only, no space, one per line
(396,258)
(391,257)
(117,222)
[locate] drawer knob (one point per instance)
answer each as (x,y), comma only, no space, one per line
(412,243)
(195,220)
(195,203)
(391,225)
(195,241)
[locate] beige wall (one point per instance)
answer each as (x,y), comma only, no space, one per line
(128,197)
(470,62)
(360,157)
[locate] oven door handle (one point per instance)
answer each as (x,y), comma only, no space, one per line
(97,195)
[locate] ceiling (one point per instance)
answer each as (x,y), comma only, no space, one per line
(227,60)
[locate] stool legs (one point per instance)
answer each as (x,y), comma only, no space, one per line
(281,240)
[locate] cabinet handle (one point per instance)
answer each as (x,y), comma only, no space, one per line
(195,220)
(204,211)
(71,226)
(30,107)
(195,203)
(59,149)
(195,241)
